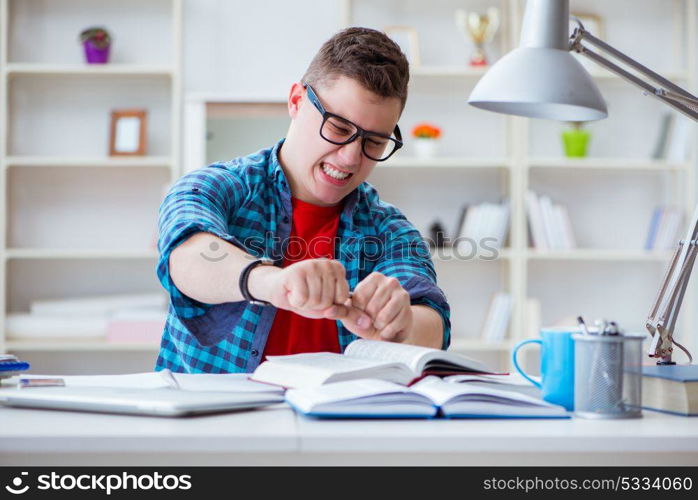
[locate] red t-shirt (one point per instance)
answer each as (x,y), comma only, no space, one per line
(312,236)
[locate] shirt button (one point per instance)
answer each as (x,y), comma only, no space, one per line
(285,219)
(254,352)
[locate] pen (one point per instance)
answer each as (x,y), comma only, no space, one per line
(582,324)
(25,383)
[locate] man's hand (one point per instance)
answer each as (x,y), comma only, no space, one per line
(387,304)
(314,288)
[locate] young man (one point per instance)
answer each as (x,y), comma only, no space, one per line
(346,265)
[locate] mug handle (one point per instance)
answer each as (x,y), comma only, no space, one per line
(516,363)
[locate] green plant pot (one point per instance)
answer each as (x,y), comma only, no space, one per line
(575,143)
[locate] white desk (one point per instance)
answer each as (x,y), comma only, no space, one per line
(276,436)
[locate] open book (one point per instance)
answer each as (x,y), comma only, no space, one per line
(398,363)
(430,397)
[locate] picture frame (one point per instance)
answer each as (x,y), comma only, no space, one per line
(128,132)
(407,39)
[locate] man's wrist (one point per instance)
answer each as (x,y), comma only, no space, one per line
(258,282)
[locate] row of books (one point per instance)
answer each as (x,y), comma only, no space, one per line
(117,318)
(484,220)
(665,228)
(549,224)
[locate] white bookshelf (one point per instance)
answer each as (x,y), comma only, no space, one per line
(62,174)
(497,156)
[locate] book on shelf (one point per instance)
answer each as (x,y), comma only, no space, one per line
(665,127)
(497,319)
(484,220)
(674,138)
(27,326)
(119,318)
(99,305)
(671,389)
(664,229)
(427,398)
(550,226)
(393,362)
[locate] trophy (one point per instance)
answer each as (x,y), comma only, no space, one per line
(480,28)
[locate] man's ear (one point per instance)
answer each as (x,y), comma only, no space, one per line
(295,99)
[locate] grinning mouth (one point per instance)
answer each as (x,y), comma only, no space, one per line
(335,173)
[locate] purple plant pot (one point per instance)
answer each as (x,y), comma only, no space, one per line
(95,55)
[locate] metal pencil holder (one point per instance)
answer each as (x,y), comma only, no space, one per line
(608,375)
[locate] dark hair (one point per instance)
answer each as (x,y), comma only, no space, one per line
(366,55)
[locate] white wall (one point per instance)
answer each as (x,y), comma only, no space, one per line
(253,49)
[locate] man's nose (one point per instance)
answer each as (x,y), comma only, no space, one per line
(351,153)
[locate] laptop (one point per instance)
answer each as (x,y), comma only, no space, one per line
(164,402)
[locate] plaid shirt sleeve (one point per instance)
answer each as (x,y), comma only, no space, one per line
(200,201)
(405,256)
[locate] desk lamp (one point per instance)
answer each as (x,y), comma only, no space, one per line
(541,79)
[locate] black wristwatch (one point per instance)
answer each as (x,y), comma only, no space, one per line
(245,274)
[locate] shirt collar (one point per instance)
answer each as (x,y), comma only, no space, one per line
(278,177)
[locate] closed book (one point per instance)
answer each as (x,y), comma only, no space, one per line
(99,305)
(670,388)
(535,220)
(398,363)
(429,397)
(652,231)
(27,326)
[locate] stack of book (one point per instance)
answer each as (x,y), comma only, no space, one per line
(116,318)
(549,224)
(670,389)
(481,221)
(665,228)
(375,379)
(497,320)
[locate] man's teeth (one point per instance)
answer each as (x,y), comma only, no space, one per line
(334,173)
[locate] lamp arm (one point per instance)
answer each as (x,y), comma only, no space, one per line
(662,318)
(667,92)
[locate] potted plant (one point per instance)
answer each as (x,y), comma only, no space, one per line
(576,140)
(426,136)
(96,40)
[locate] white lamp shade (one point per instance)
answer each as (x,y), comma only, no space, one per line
(540,82)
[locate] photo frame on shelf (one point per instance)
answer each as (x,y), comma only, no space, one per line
(408,40)
(593,23)
(128,132)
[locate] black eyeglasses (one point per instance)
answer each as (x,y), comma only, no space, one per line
(340,131)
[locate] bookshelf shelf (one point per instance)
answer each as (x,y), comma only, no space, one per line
(448,71)
(609,197)
(449,254)
(445,162)
(55,253)
(68,208)
(605,164)
(461,344)
(600,255)
(109,162)
(71,345)
(57,70)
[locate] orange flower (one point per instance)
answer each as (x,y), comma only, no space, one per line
(426,130)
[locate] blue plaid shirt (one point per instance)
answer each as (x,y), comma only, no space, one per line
(247,202)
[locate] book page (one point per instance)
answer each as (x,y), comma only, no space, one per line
(379,350)
(442,392)
(417,358)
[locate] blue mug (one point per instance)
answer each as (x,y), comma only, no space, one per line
(556,365)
